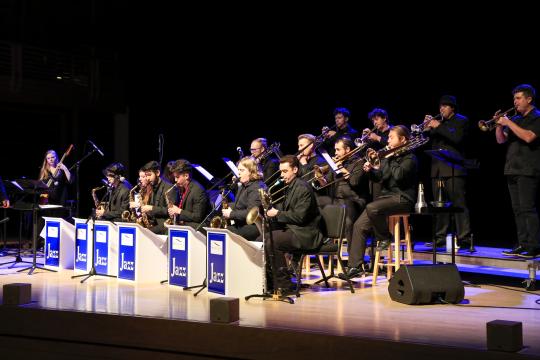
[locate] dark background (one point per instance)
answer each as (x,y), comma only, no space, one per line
(129,72)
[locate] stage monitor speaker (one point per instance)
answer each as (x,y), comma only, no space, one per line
(426,284)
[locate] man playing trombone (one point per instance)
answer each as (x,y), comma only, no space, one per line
(398,175)
(522,169)
(449,133)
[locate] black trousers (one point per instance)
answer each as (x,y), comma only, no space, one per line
(523,192)
(248,232)
(454,188)
(375,218)
(353,209)
(284,242)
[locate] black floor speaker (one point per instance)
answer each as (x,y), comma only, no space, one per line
(426,284)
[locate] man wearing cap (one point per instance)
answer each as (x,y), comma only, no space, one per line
(118,193)
(449,133)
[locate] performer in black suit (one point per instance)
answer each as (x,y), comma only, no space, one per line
(118,193)
(155,206)
(247,197)
(4,201)
(194,203)
(299,214)
(308,158)
(268,163)
(398,175)
(377,139)
(450,133)
(522,169)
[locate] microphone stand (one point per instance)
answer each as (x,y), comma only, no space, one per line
(204,284)
(77,165)
(93,271)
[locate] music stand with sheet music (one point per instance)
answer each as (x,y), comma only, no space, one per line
(34,188)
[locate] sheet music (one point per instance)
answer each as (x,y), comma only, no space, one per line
(231,166)
(203,171)
(329,160)
(16,184)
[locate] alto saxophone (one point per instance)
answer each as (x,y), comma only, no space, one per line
(99,205)
(219,222)
(131,214)
(144,220)
(172,219)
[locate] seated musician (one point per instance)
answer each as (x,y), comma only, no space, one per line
(117,193)
(378,139)
(194,203)
(398,176)
(300,216)
(4,201)
(308,159)
(269,165)
(247,197)
(155,206)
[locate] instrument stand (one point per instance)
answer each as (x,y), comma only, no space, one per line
(276,295)
(35,209)
(92,271)
(77,166)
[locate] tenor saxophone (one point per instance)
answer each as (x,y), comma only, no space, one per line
(131,214)
(172,219)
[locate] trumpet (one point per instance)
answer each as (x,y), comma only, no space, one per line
(488,125)
(365,136)
(418,129)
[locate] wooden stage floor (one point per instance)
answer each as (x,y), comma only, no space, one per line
(367,314)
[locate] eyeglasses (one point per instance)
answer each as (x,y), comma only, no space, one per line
(255,149)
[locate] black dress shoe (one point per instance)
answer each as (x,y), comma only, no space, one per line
(529,254)
(515,251)
(438,243)
(351,273)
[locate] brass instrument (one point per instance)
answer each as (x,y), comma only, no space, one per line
(100,205)
(374,157)
(131,215)
(419,129)
(272,149)
(143,218)
(488,125)
(172,219)
(219,222)
(365,136)
(254,216)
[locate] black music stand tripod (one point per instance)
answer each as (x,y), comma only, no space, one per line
(92,271)
(34,188)
(276,295)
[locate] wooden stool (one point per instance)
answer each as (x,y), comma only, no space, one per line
(393,260)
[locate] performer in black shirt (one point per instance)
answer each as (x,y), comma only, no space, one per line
(118,193)
(522,169)
(4,200)
(343,129)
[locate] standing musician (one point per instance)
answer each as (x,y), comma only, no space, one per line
(117,193)
(300,216)
(353,190)
(449,133)
(377,139)
(522,168)
(58,192)
(398,175)
(194,203)
(246,198)
(155,206)
(343,129)
(4,200)
(269,164)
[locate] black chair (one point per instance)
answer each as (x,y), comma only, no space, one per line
(333,228)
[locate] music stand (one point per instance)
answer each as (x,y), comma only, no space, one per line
(77,166)
(34,188)
(455,161)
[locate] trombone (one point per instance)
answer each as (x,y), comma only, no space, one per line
(488,125)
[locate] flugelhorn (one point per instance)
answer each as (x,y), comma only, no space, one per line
(488,125)
(418,129)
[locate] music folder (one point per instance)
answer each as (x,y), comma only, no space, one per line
(231,166)
(203,171)
(329,160)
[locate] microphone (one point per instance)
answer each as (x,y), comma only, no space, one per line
(96,148)
(240,152)
(4,220)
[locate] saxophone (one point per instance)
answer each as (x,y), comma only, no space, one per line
(131,215)
(172,219)
(144,220)
(219,222)
(99,205)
